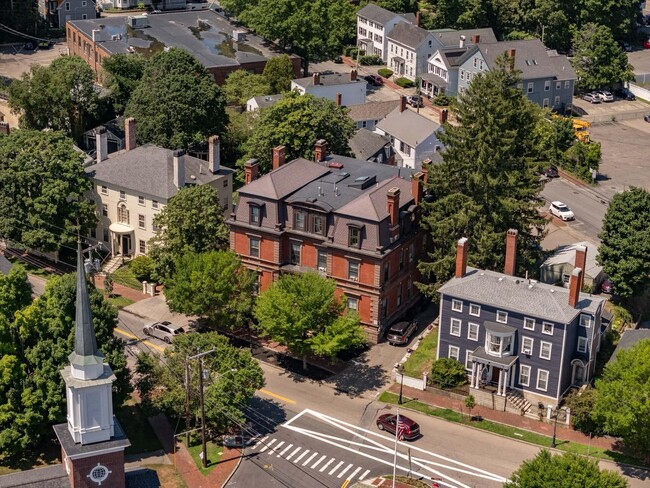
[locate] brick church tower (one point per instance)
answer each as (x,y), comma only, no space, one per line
(92,440)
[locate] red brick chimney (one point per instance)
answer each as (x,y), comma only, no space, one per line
(392,205)
(129,134)
(476,38)
(574,287)
(4,128)
(511,58)
(461,257)
(402,103)
(316,78)
(511,252)
(320,150)
(418,18)
(353,75)
(444,113)
(250,171)
(581,262)
(416,187)
(339,99)
(214,154)
(279,155)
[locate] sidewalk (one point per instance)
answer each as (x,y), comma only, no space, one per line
(563,433)
(124,291)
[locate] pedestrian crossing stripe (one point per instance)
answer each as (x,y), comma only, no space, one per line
(336,468)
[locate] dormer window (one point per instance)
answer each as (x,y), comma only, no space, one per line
(300,219)
(354,235)
(255,215)
(319,224)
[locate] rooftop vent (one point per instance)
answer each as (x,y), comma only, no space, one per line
(335,165)
(344,174)
(363,182)
(137,21)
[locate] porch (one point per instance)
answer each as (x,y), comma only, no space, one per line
(432,85)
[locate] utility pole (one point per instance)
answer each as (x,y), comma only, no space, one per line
(199,356)
(187,401)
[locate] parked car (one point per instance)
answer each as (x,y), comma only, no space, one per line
(30,46)
(238,441)
(646,44)
(560,210)
(401,332)
(605,96)
(624,94)
(374,80)
(606,286)
(646,118)
(415,101)
(164,330)
(552,172)
(388,420)
(338,60)
(591,97)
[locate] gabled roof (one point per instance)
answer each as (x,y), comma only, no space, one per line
(330,79)
(381,15)
(517,294)
(408,126)
(371,110)
(451,56)
(567,254)
(451,37)
(408,35)
(365,144)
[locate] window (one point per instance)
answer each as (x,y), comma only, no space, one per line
(582,344)
(225,183)
(104,190)
(502,316)
(83,4)
(122,214)
(141,221)
(386,272)
(524,375)
(585,320)
(411,253)
(474,310)
(299,220)
(353,270)
(545,103)
(409,287)
(475,62)
(142,244)
(105,235)
(558,85)
(122,194)
(497,344)
(296,247)
(542,379)
(556,101)
(468,360)
(84,17)
(530,87)
(67,6)
(567,84)
(462,75)
(527,345)
(321,260)
(254,247)
(545,350)
(472,331)
(93,232)
(353,303)
(255,215)
(520,86)
(529,324)
(454,352)
(154,204)
(457,305)
(454,327)
(547,85)
(547,328)
(319,224)
(354,237)
(140,200)
(105,210)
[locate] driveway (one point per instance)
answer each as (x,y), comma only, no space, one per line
(605,112)
(14,60)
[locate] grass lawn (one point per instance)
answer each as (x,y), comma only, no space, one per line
(168,475)
(214,454)
(509,431)
(119,301)
(138,430)
(422,358)
(125,277)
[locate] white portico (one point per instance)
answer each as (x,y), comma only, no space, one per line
(493,363)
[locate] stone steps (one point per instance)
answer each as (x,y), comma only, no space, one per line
(112,264)
(518,401)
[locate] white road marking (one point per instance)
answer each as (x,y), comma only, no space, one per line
(354,473)
(364,475)
(285,450)
(310,458)
(260,442)
(347,468)
(301,456)
(267,445)
(276,448)
(293,453)
(318,462)
(326,465)
(335,468)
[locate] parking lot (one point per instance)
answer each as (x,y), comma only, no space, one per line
(15,60)
(605,112)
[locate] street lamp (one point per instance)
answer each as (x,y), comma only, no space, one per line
(555,412)
(400,369)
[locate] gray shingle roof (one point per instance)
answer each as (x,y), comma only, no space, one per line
(452,56)
(148,169)
(267,100)
(517,294)
(629,339)
(381,15)
(365,144)
(408,35)
(5,265)
(331,79)
(286,179)
(371,110)
(451,37)
(567,254)
(408,126)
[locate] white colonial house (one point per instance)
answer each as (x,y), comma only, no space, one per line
(373,25)
(409,48)
(344,89)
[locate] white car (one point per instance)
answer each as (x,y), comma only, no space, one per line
(605,96)
(560,210)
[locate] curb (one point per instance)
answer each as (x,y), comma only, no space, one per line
(578,182)
(133,313)
(232,473)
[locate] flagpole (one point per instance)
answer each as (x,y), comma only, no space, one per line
(395,455)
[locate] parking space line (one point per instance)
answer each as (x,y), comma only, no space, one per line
(310,458)
(326,465)
(340,475)
(335,468)
(293,453)
(285,450)
(313,466)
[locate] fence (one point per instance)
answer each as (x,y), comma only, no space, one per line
(639,91)
(642,78)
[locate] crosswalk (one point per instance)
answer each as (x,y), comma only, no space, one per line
(301,456)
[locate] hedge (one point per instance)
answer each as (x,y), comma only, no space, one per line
(385,72)
(370,60)
(441,100)
(404,83)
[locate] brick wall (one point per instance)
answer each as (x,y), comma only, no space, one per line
(81,468)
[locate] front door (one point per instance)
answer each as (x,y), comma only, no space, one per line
(126,245)
(495,374)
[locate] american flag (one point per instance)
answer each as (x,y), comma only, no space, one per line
(402,429)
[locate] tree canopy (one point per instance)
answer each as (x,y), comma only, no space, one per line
(563,471)
(624,251)
(34,347)
(233,376)
(42,187)
(623,398)
(303,313)
(488,181)
(124,73)
(176,104)
(278,73)
(297,122)
(241,86)
(60,96)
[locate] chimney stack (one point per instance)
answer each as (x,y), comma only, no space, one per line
(339,99)
(402,103)
(461,257)
(444,113)
(511,58)
(179,168)
(416,187)
(511,252)
(574,287)
(581,262)
(101,144)
(316,78)
(392,205)
(418,18)
(353,75)
(279,156)
(320,150)
(129,133)
(426,164)
(461,44)
(250,171)
(214,154)
(476,38)
(4,128)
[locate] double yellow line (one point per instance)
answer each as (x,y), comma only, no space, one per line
(345,483)
(144,341)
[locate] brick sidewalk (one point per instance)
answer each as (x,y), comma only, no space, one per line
(124,291)
(563,433)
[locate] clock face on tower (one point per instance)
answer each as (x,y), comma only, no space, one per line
(99,474)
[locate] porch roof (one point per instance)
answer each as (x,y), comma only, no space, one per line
(479,355)
(435,79)
(120,228)
(398,59)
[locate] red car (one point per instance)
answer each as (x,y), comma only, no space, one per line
(374,80)
(646,44)
(388,420)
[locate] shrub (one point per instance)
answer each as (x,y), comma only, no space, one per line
(370,60)
(385,72)
(404,83)
(448,373)
(621,318)
(441,100)
(582,404)
(347,50)
(142,268)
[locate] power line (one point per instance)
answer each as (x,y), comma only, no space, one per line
(21,34)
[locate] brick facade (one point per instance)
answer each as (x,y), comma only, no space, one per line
(80,469)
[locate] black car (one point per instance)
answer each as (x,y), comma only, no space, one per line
(374,80)
(646,118)
(624,94)
(401,332)
(338,60)
(552,172)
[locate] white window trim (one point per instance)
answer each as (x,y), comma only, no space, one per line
(590,320)
(552,328)
(469,328)
(456,354)
(455,302)
(532,345)
(451,327)
(582,341)
(474,314)
(527,368)
(468,353)
(104,190)
(529,328)
(497,317)
(548,375)
(541,350)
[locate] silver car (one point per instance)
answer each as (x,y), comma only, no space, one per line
(165,331)
(401,332)
(605,96)
(591,97)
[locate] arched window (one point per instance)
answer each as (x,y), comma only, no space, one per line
(122,213)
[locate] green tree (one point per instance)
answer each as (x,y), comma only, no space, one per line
(470,403)
(60,96)
(582,404)
(303,313)
(42,187)
(581,158)
(448,373)
(213,284)
(15,292)
(554,135)
(620,16)
(241,86)
(124,73)
(624,252)
(399,6)
(192,222)
(176,104)
(488,181)
(142,268)
(563,471)
(278,73)
(598,60)
(233,376)
(241,126)
(297,122)
(623,400)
